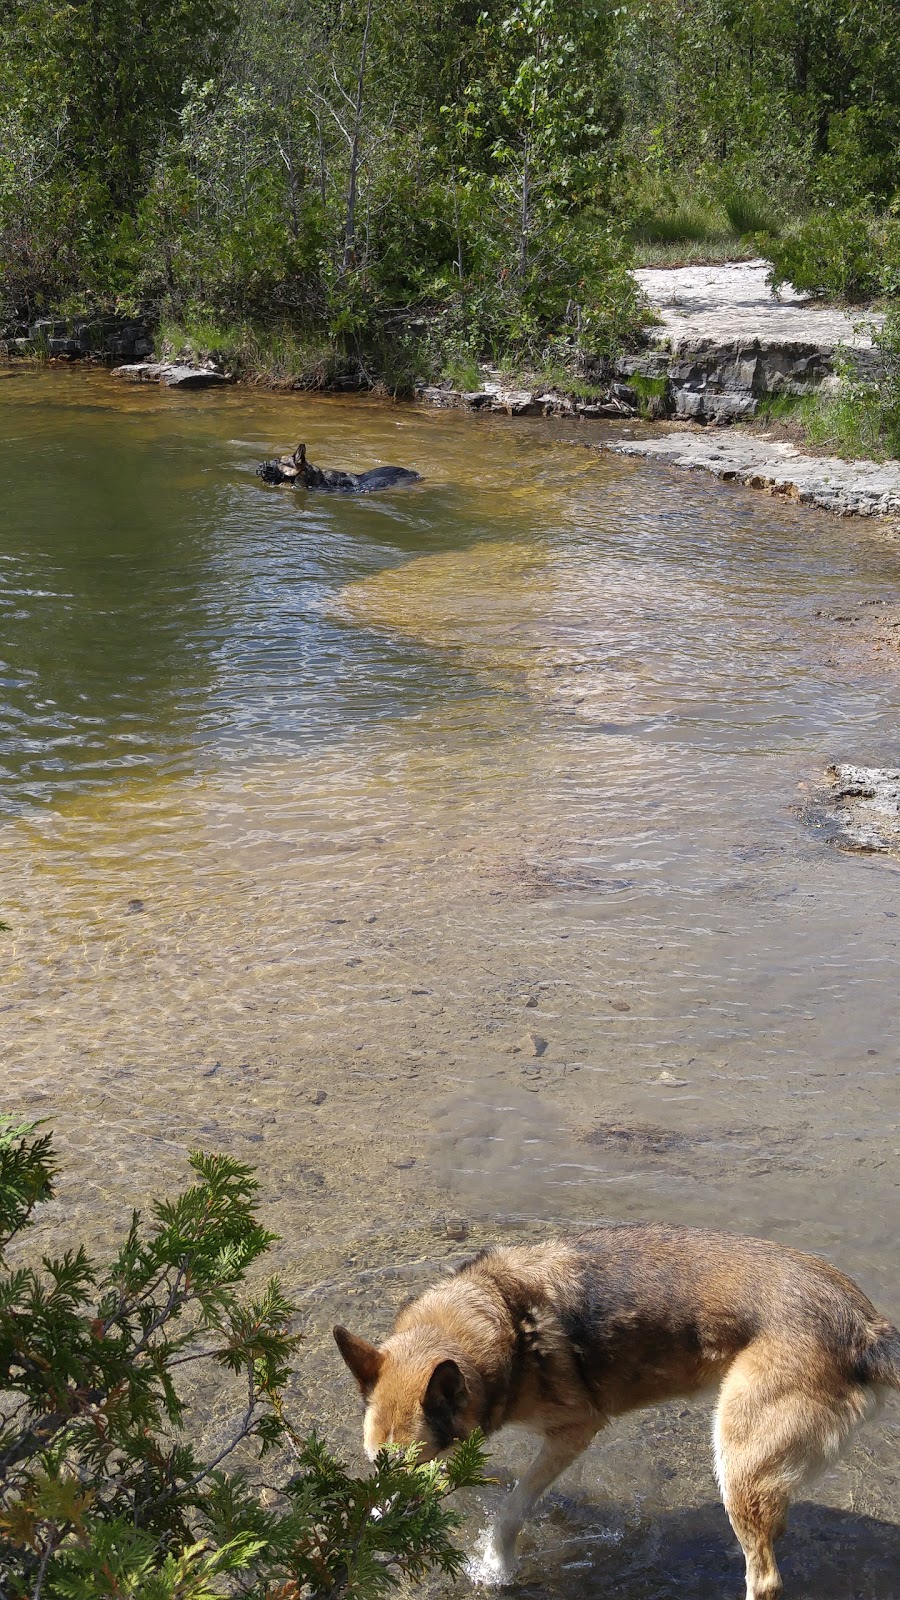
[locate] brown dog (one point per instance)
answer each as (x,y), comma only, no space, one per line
(561,1337)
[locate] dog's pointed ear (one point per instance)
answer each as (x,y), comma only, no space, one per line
(446,1394)
(365,1360)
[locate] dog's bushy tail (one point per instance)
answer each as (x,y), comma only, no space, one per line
(881,1362)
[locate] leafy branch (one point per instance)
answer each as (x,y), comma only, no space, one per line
(102,1492)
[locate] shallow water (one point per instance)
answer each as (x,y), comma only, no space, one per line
(315,810)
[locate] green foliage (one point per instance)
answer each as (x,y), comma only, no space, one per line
(829,254)
(105,1489)
(747,212)
(686,224)
(863,417)
(783,407)
(848,255)
(463,373)
(673,221)
(398,184)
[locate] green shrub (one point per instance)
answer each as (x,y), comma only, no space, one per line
(105,1492)
(833,253)
(861,419)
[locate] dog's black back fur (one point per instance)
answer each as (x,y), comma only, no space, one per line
(297,470)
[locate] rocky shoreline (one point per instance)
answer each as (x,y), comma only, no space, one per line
(723,341)
(848,488)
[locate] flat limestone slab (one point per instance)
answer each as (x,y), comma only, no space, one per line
(850,488)
(734,301)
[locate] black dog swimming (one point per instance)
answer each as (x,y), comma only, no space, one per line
(297,470)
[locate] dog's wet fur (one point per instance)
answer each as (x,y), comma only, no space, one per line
(561,1337)
(297,470)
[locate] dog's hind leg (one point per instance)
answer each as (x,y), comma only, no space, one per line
(559,1449)
(783,1414)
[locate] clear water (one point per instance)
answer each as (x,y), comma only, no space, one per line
(314,810)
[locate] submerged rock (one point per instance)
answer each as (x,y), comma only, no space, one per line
(862,807)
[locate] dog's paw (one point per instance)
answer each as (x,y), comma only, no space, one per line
(490,1566)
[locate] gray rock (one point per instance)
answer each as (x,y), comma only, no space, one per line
(179,377)
(862,807)
(64,346)
(139,372)
(46,328)
(850,488)
(456,1228)
(622,392)
(725,339)
(171,375)
(534,1044)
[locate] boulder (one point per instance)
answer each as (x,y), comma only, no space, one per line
(173,375)
(139,372)
(182,377)
(862,809)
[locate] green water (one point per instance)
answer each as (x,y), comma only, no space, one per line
(161,610)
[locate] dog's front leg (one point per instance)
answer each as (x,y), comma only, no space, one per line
(557,1452)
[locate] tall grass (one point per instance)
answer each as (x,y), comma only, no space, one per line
(277,356)
(860,419)
(672,226)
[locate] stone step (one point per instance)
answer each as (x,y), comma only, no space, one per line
(725,339)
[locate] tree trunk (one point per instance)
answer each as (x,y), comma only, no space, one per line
(350,222)
(459,248)
(525,212)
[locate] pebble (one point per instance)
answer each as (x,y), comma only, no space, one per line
(317,1097)
(133,907)
(670,1080)
(620,1005)
(534,1043)
(456,1228)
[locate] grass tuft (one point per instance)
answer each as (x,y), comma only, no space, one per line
(464,373)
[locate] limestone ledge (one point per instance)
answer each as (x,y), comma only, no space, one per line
(850,488)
